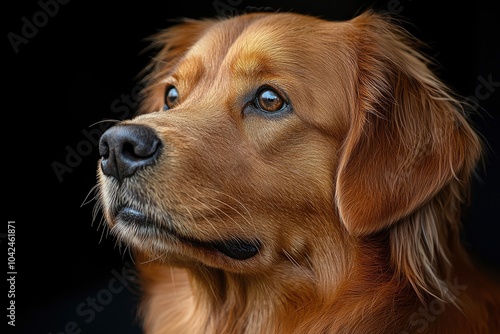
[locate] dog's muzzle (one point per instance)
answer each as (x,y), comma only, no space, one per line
(128,148)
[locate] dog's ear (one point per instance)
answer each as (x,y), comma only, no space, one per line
(407,138)
(170,45)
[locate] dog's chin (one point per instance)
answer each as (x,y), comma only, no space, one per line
(143,232)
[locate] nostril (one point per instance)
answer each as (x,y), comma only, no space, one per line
(125,149)
(140,149)
(129,151)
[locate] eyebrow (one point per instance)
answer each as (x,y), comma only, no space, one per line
(252,64)
(191,69)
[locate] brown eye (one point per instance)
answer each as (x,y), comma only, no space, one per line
(171,98)
(268,100)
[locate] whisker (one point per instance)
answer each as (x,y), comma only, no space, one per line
(96,211)
(236,200)
(205,218)
(94,188)
(131,256)
(105,121)
(248,220)
(117,244)
(239,213)
(104,229)
(125,251)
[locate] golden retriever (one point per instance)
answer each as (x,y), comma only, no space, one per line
(289,174)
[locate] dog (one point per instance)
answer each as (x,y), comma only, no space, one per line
(290,174)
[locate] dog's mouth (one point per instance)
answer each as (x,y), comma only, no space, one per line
(234,248)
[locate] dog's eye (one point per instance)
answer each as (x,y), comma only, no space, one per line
(171,98)
(269,101)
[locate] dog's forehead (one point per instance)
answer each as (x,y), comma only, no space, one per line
(301,55)
(251,40)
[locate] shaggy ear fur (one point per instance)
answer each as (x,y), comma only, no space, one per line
(408,138)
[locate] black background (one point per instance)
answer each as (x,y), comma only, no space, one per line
(81,61)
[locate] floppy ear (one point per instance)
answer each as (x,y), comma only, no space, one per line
(407,138)
(171,45)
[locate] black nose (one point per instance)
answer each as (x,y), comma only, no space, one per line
(125,149)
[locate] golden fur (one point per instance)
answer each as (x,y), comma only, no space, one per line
(354,195)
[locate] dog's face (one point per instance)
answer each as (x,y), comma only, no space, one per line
(262,133)
(243,139)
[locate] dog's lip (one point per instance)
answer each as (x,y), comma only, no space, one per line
(234,248)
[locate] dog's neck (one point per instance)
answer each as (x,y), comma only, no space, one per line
(352,287)
(288,296)
(250,303)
